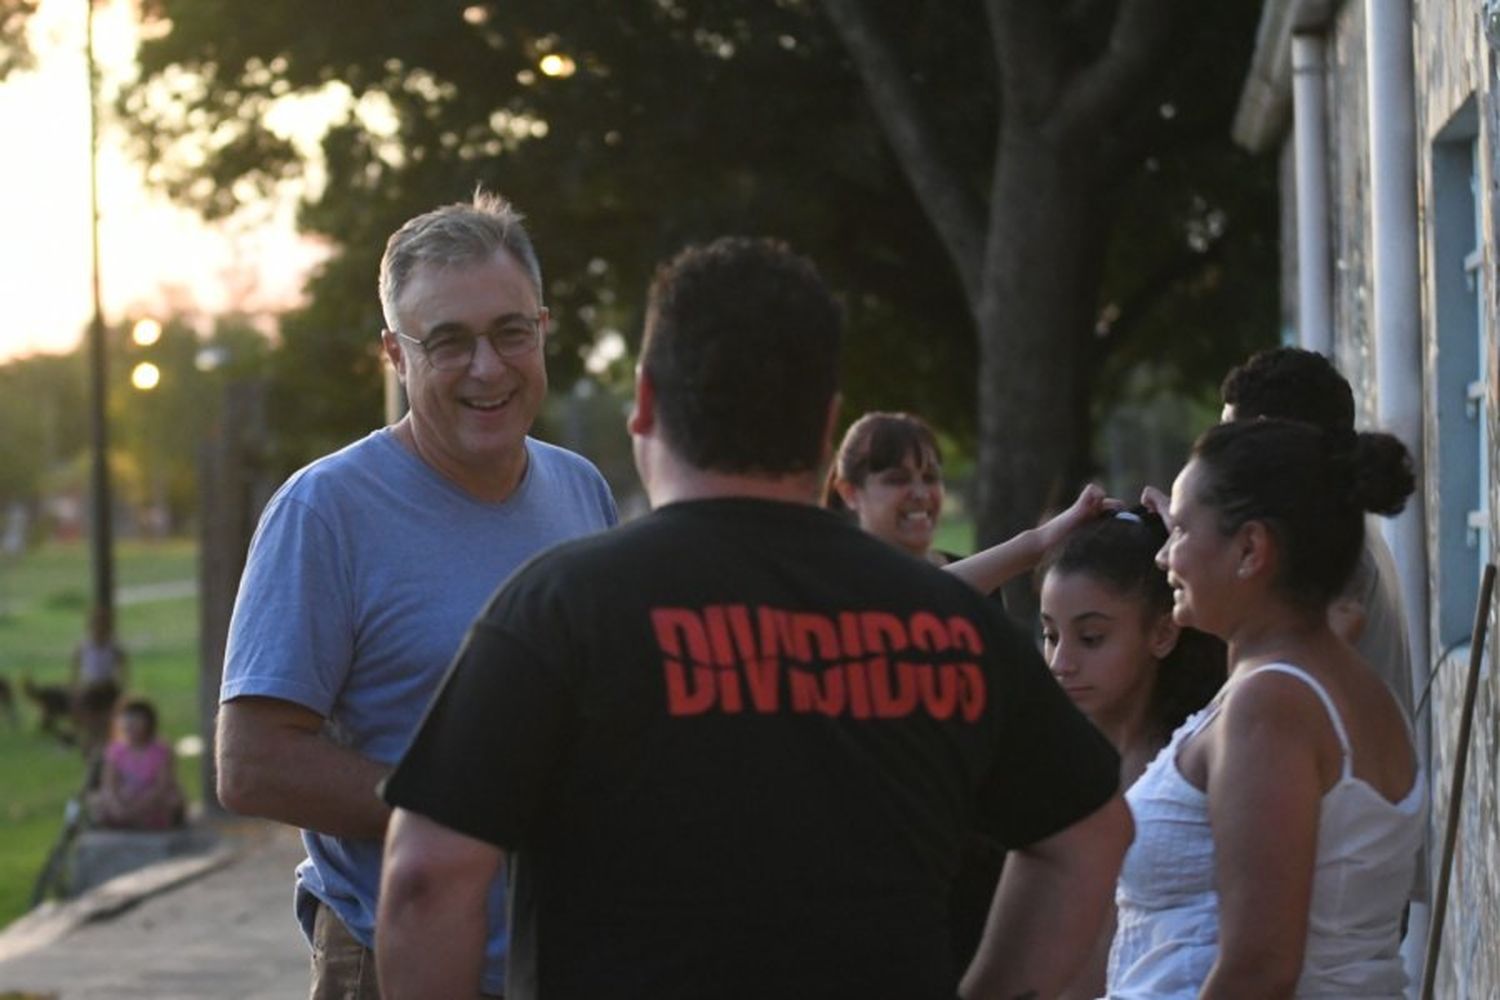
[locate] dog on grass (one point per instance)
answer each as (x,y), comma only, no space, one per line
(8,701)
(54,704)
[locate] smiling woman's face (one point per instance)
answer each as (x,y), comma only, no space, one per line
(901,504)
(1198,558)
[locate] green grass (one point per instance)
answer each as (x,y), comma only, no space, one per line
(43,605)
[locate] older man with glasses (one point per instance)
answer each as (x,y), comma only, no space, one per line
(370,563)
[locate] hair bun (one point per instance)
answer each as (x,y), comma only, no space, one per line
(1382,474)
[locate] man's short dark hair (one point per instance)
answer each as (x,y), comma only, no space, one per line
(742,349)
(1288,383)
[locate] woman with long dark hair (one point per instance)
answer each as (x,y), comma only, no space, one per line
(1109,638)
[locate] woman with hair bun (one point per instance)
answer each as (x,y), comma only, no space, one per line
(1277,833)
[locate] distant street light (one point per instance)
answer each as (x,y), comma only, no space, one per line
(146,332)
(145,376)
(557,65)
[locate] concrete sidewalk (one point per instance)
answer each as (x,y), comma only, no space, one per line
(216,926)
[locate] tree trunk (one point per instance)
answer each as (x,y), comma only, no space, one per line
(233,488)
(1033,295)
(1035,319)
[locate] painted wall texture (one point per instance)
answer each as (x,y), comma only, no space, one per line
(1455,69)
(1456,81)
(1349,195)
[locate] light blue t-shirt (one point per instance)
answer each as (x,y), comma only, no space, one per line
(365,572)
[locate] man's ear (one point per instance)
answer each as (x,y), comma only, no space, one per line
(390,345)
(642,419)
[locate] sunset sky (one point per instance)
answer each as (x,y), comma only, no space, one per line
(155,257)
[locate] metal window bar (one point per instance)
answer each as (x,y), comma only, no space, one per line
(1477,519)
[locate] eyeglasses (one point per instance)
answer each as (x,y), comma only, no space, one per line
(451,352)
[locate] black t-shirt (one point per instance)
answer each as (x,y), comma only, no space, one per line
(734,749)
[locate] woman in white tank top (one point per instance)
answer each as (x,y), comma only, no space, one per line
(1277,833)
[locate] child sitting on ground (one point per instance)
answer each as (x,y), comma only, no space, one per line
(138,787)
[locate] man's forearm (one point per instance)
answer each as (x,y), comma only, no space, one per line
(430,930)
(299,776)
(430,943)
(1032,920)
(1049,908)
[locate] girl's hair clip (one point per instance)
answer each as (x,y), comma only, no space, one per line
(1128,515)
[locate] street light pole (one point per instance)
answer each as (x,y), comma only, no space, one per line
(101,536)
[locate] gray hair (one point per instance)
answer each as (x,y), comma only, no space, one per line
(455,234)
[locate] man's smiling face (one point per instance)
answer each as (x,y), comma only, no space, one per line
(470,418)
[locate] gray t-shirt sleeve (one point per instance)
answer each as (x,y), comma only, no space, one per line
(291,635)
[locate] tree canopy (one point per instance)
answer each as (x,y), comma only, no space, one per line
(678,120)
(875,137)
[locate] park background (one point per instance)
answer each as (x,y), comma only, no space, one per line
(1054,227)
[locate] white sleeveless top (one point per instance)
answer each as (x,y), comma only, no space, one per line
(1167,935)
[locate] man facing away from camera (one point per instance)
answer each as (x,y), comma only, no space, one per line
(370,563)
(732,749)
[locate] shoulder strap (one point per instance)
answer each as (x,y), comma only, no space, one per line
(1322,693)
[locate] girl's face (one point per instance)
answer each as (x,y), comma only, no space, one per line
(1199,560)
(134,729)
(900,505)
(1104,647)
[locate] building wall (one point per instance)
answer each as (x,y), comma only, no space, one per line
(1349,208)
(1452,63)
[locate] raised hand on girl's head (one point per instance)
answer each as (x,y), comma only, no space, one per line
(1157,503)
(992,568)
(1091,503)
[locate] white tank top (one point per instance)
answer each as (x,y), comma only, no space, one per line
(1167,935)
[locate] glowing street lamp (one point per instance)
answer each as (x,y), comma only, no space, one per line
(146,332)
(557,65)
(145,376)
